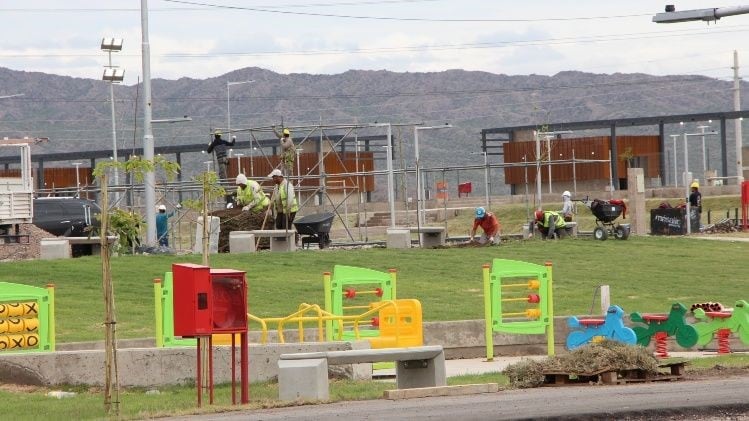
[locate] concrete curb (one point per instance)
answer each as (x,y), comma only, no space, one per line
(428,392)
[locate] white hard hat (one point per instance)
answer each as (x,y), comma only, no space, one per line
(275,173)
(566,194)
(241,179)
(162,207)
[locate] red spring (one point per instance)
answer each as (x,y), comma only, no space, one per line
(723,346)
(661,347)
(350,293)
(378,292)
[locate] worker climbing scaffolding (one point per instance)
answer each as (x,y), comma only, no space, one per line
(288,150)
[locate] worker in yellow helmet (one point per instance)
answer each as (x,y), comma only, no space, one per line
(695,197)
(288,151)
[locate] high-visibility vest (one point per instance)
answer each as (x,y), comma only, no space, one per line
(559,223)
(253,193)
(281,204)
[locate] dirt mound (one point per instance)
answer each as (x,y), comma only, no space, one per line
(24,250)
(237,220)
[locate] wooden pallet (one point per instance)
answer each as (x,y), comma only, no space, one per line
(607,376)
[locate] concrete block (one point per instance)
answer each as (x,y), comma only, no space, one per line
(303,379)
(426,392)
(280,240)
(431,236)
(54,248)
(214,227)
(398,238)
(241,242)
(421,373)
(572,228)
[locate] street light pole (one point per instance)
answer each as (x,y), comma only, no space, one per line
(228,102)
(419,187)
(149,181)
(704,155)
(77,178)
(113,75)
(676,175)
(239,162)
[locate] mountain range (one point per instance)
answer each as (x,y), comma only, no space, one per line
(75,112)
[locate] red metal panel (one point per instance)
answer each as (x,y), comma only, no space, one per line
(192,300)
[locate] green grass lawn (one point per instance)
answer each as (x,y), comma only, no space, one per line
(646,274)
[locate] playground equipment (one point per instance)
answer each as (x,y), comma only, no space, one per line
(663,326)
(345,285)
(27,318)
(595,330)
(208,301)
(518,299)
(400,323)
(722,324)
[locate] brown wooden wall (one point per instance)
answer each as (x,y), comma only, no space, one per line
(57,178)
(642,147)
(334,164)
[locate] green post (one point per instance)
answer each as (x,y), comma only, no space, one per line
(159,317)
(51,317)
(550,312)
(488,314)
(328,305)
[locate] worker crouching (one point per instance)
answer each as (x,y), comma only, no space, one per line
(551,224)
(489,224)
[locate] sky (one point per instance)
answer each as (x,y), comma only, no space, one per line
(203,39)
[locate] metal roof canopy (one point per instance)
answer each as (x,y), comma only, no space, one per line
(612,124)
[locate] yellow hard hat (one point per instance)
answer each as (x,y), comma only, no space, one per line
(695,185)
(217,132)
(286,132)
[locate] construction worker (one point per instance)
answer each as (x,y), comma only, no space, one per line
(567,208)
(550,224)
(288,151)
(284,201)
(695,198)
(250,195)
(162,224)
(489,224)
(218,147)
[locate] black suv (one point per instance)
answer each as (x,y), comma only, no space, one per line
(65,216)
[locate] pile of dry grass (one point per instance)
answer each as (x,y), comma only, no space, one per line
(606,355)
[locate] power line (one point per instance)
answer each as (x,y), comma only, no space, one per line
(389,18)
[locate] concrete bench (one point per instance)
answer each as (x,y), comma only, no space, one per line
(241,242)
(430,236)
(61,247)
(280,240)
(305,375)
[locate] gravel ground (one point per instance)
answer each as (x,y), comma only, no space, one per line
(24,251)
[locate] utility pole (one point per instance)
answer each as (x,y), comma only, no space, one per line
(737,122)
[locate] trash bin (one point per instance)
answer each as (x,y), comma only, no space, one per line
(672,221)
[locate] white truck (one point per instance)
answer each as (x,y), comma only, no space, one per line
(16,194)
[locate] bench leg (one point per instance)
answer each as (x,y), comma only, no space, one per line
(421,373)
(303,380)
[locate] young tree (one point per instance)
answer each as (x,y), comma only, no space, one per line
(211,191)
(137,167)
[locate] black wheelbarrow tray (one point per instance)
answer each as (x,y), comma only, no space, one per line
(316,228)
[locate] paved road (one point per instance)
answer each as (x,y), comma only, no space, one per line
(703,399)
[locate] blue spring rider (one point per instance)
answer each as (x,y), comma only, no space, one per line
(585,331)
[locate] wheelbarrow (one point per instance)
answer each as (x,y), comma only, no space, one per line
(315,228)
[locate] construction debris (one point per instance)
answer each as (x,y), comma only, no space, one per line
(590,360)
(238,220)
(721,227)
